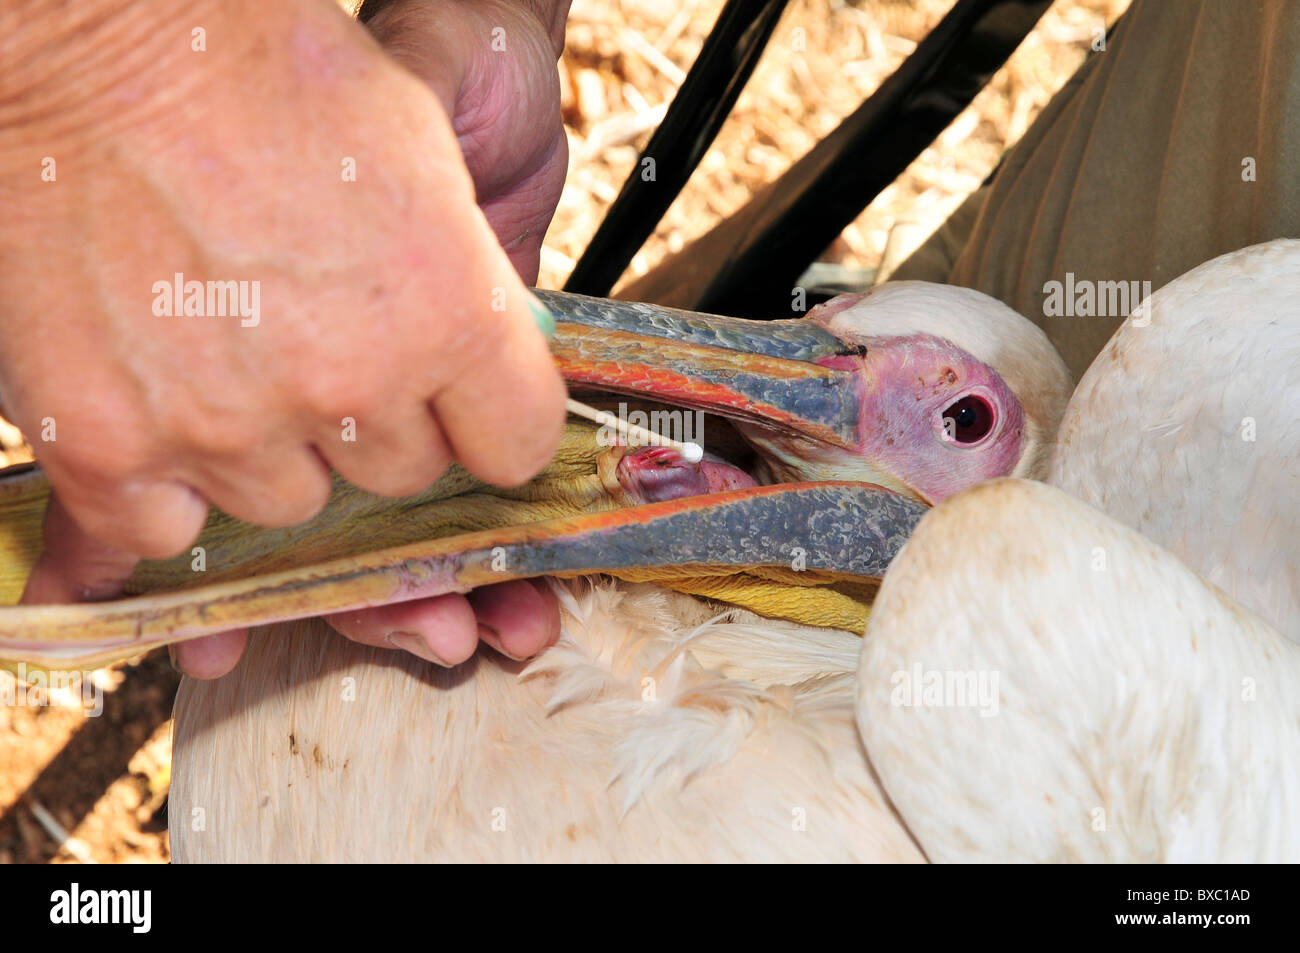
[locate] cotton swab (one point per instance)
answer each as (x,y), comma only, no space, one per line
(691,452)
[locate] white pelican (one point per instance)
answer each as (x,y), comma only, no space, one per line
(655,729)
(1146,694)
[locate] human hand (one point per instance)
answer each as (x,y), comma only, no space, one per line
(375,298)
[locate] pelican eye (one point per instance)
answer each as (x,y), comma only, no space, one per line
(968,420)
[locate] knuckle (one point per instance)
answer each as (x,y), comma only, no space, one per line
(192,419)
(405,483)
(213,435)
(473,340)
(94,464)
(333,398)
(296,505)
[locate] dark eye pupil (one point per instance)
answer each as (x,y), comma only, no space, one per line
(968,420)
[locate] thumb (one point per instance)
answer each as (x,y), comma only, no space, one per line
(78,567)
(75,567)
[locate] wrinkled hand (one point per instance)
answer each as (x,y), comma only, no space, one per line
(375,294)
(492,65)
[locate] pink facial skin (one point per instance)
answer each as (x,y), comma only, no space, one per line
(653,474)
(920,381)
(910,384)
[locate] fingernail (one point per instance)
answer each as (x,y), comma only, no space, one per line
(171,657)
(542,317)
(410,642)
(491,631)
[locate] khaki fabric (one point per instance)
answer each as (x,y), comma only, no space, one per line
(1134,171)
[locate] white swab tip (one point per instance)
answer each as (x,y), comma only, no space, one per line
(692,452)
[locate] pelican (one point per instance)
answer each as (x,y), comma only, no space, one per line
(660,726)
(1139,614)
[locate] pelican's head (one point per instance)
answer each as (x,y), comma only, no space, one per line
(924,389)
(957,388)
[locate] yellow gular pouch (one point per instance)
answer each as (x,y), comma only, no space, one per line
(811,597)
(355,523)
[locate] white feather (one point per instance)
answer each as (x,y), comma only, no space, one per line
(1146,713)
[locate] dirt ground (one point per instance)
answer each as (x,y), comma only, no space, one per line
(93,789)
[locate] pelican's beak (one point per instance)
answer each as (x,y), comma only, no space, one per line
(808,551)
(827,542)
(788,376)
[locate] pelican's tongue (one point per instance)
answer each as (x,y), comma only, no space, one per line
(654,474)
